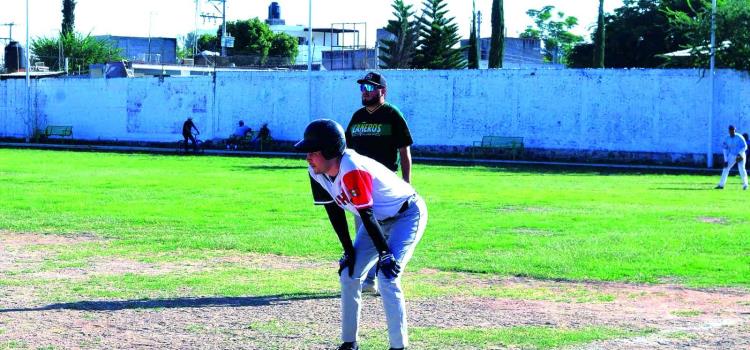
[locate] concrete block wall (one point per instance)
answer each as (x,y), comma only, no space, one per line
(647,112)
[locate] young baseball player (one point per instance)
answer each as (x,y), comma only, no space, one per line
(393,220)
(734,152)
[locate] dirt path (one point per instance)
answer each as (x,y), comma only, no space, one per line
(680,318)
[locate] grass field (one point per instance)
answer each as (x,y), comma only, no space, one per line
(489,222)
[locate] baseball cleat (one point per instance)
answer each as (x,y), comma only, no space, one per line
(744,187)
(370,288)
(719,187)
(349,346)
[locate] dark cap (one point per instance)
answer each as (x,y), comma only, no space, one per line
(374,79)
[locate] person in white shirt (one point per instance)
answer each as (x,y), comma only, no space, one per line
(393,220)
(734,152)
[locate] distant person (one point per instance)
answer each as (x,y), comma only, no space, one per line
(187,132)
(747,152)
(263,134)
(239,133)
(734,149)
(378,130)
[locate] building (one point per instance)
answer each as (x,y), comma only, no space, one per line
(518,53)
(150,50)
(339,47)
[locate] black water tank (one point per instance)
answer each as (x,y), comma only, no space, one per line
(15,57)
(274,11)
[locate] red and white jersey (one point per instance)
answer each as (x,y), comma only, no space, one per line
(362,183)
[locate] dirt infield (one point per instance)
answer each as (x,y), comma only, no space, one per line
(678,317)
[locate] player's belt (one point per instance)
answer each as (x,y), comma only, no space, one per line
(404,207)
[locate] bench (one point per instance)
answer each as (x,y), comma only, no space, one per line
(58,130)
(514,145)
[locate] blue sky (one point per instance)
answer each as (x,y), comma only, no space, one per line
(171,18)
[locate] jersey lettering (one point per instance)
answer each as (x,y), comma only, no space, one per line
(371,129)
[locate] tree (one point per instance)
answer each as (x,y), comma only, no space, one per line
(636,35)
(438,36)
(284,49)
(399,51)
(732,34)
(599,38)
(69,18)
(555,34)
(251,37)
(497,41)
(83,50)
(473,49)
(208,42)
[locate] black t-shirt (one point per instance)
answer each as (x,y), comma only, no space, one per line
(187,127)
(379,135)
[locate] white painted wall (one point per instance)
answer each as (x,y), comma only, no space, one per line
(662,111)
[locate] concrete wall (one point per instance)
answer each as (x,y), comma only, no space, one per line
(629,111)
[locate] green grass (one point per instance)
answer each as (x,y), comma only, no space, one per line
(529,337)
(527,222)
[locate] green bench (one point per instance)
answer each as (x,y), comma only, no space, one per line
(58,130)
(513,145)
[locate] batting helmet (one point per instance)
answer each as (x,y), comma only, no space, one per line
(323,135)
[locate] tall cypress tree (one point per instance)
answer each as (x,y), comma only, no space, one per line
(498,35)
(473,45)
(69,17)
(600,39)
(438,36)
(399,51)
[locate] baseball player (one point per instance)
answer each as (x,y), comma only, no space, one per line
(379,131)
(393,220)
(734,152)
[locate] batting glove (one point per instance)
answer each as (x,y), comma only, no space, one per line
(388,265)
(347,261)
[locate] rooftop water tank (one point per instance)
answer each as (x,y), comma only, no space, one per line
(15,57)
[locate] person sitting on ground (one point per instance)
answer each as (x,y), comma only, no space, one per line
(263,134)
(239,133)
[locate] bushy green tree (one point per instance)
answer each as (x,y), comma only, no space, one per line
(69,17)
(251,37)
(438,39)
(636,35)
(399,52)
(208,42)
(553,29)
(284,49)
(82,50)
(732,33)
(497,41)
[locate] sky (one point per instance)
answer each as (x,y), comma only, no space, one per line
(174,18)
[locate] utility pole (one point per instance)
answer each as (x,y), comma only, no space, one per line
(712,68)
(10,30)
(221,13)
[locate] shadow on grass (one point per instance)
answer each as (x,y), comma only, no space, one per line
(116,305)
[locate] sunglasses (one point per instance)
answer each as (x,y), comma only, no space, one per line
(367,87)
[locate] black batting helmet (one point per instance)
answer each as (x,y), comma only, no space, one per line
(323,135)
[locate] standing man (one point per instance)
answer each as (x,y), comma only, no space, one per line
(393,220)
(187,133)
(379,131)
(734,152)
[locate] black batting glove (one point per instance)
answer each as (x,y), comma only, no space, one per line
(388,265)
(347,261)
